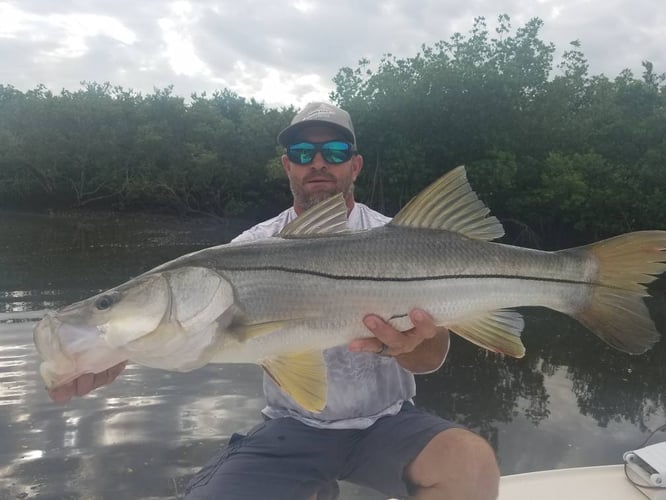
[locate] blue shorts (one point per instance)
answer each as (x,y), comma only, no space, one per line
(284,459)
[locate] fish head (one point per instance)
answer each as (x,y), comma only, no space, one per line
(154,315)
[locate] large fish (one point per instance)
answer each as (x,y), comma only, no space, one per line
(281,301)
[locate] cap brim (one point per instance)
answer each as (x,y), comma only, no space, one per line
(287,135)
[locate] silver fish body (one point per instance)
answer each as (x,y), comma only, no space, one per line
(323,287)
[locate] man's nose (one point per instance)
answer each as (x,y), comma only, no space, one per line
(318,161)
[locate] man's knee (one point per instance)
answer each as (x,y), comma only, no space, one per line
(456,454)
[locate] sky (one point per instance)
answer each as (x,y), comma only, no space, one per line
(287,52)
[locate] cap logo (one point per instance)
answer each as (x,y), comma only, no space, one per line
(318,114)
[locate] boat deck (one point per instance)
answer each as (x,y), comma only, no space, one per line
(606,482)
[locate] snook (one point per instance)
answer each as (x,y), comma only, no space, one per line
(281,301)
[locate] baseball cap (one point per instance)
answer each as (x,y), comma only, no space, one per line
(319,113)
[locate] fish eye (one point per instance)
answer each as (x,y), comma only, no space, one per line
(104,302)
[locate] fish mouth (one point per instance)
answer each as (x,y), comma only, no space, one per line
(57,367)
(66,349)
(69,350)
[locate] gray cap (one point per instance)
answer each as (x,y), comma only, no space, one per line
(319,113)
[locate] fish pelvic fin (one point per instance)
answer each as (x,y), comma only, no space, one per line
(450,204)
(325,218)
(498,331)
(617,312)
(302,376)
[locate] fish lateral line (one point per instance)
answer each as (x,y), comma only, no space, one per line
(406,279)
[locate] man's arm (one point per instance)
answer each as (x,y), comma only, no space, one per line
(422,349)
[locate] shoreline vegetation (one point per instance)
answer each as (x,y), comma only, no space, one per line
(559,155)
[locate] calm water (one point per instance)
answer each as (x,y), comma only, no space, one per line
(570,402)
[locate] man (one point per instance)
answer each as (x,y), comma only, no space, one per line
(369,433)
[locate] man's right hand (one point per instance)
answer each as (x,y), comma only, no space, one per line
(85,383)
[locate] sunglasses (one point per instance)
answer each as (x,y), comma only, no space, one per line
(334,152)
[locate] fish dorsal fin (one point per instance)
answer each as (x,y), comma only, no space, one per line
(326,217)
(450,203)
(497,331)
(302,376)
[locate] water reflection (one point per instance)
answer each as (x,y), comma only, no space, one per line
(571,401)
(11,303)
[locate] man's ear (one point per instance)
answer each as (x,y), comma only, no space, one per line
(285,163)
(357,165)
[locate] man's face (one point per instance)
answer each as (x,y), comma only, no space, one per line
(319,180)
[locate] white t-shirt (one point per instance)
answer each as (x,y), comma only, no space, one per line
(362,387)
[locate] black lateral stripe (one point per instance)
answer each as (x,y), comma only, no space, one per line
(320,274)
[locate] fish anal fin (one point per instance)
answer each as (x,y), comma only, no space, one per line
(325,218)
(497,331)
(302,376)
(450,204)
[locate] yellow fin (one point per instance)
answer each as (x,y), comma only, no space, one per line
(246,332)
(617,312)
(326,217)
(450,204)
(497,331)
(302,376)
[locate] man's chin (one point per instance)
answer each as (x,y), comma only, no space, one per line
(311,201)
(309,195)
(318,193)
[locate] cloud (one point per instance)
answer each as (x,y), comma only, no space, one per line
(286,52)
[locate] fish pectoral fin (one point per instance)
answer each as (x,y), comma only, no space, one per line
(302,376)
(497,331)
(247,332)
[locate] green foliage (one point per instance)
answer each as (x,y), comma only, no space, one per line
(552,150)
(105,146)
(558,154)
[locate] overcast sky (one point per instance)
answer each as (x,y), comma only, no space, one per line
(287,52)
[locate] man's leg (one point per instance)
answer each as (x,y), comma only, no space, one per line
(330,491)
(421,454)
(280,459)
(456,463)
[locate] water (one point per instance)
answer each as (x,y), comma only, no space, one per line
(571,401)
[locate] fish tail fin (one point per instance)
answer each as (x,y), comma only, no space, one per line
(617,312)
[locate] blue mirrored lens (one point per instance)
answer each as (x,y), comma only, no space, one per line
(301,153)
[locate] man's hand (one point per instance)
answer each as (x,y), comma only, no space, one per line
(421,349)
(85,383)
